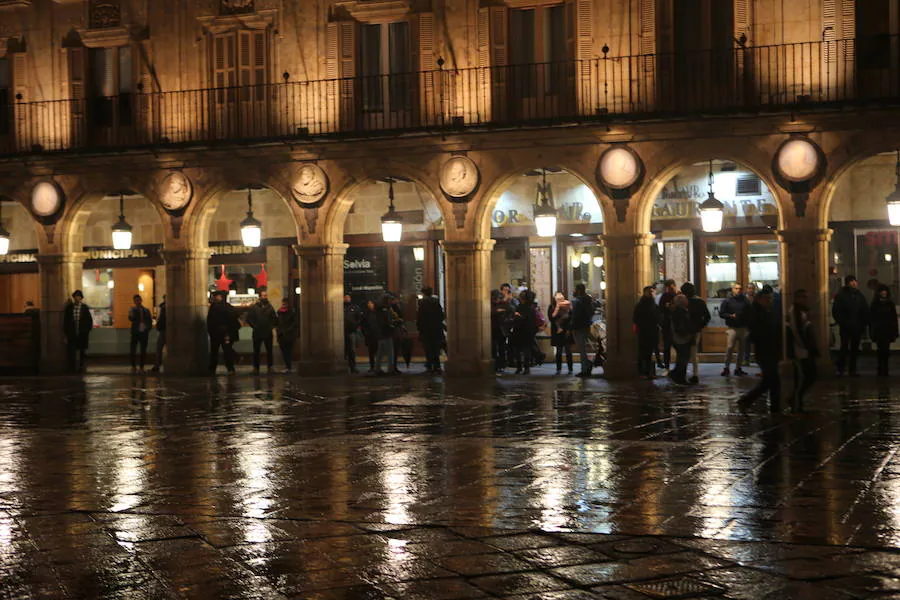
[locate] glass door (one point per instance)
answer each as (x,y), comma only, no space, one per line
(762,263)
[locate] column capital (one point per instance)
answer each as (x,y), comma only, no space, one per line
(320,250)
(456,247)
(626,241)
(804,236)
(180,255)
(61,258)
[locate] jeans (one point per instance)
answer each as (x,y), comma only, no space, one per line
(646,345)
(524,355)
(581,340)
(385,351)
(160,344)
(849,345)
(139,339)
(737,337)
(682,358)
(567,350)
(770,382)
(350,350)
(805,375)
(257,346)
(227,351)
(432,346)
(884,353)
(286,345)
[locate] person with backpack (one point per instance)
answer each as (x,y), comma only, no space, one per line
(802,348)
(388,323)
(700,318)
(646,324)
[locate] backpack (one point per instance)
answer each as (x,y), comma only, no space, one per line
(540,321)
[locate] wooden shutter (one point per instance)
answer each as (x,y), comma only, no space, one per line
(77,68)
(224,66)
(848,29)
(499,57)
(18,65)
(580,19)
(428,81)
(830,28)
(647,26)
(340,69)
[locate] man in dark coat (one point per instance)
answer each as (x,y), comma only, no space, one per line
(287,330)
(161,324)
(734,310)
(502,316)
(430,323)
(765,332)
(646,322)
(352,320)
(582,316)
(666,307)
(700,318)
(851,312)
(77,326)
(262,320)
(222,325)
(141,323)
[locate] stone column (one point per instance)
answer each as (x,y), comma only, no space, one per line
(187,344)
(468,272)
(60,275)
(321,309)
(627,272)
(804,264)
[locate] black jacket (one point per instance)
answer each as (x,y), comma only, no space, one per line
(646,317)
(582,312)
(263,319)
(430,318)
(139,315)
(353,316)
(560,325)
(388,322)
(737,306)
(765,332)
(161,322)
(222,321)
(502,316)
(287,327)
(883,326)
(370,326)
(699,313)
(85,325)
(525,325)
(850,310)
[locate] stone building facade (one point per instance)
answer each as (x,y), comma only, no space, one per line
(182,107)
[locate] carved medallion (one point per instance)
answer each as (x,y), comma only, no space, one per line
(797,160)
(619,168)
(310,184)
(236,7)
(104,14)
(459,177)
(176,191)
(46,199)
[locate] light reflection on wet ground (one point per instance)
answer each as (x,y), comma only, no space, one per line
(417,488)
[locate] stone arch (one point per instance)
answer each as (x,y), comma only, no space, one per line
(666,163)
(342,200)
(500,183)
(18,198)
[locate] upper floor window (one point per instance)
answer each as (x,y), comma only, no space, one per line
(6,96)
(537,35)
(240,60)
(385,65)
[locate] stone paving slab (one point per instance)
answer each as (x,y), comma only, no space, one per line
(412,487)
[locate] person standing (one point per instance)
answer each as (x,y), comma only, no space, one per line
(733,310)
(141,323)
(765,332)
(682,338)
(352,321)
(160,335)
(851,312)
(502,316)
(802,348)
(77,326)
(370,330)
(560,314)
(430,323)
(883,327)
(513,302)
(700,318)
(223,326)
(524,330)
(262,320)
(387,325)
(286,331)
(582,315)
(646,321)
(508,296)
(666,306)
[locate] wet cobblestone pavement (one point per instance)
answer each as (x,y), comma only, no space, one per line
(408,488)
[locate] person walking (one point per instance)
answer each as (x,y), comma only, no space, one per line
(734,310)
(851,312)
(682,338)
(502,317)
(700,318)
(523,332)
(883,326)
(430,323)
(560,314)
(582,315)
(802,348)
(223,328)
(161,324)
(352,320)
(141,323)
(262,320)
(286,331)
(646,320)
(666,306)
(77,326)
(371,332)
(765,332)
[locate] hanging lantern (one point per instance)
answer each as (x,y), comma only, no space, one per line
(586,258)
(251,229)
(712,211)
(598,261)
(121,231)
(391,223)
(4,237)
(576,261)
(893,201)
(660,247)
(544,212)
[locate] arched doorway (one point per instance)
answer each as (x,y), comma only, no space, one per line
(744,251)
(19,279)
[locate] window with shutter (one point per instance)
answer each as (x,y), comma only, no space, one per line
(240,59)
(385,65)
(6,101)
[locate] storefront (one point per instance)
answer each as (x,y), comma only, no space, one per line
(19,281)
(745,250)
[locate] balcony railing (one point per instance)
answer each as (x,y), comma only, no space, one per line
(741,80)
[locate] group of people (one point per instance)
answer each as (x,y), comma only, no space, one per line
(386,338)
(853,315)
(517,319)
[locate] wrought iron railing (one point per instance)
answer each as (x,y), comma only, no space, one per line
(741,80)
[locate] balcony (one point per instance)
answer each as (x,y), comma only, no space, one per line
(751,80)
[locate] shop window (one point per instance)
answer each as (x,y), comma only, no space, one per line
(6,97)
(537,48)
(98,286)
(385,66)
